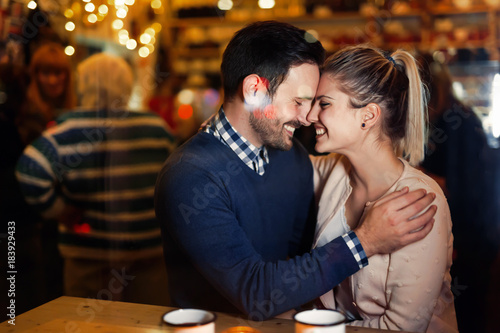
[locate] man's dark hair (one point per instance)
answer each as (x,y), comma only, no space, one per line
(268,49)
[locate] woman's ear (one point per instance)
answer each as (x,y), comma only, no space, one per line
(370,115)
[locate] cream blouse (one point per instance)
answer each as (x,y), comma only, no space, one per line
(407,290)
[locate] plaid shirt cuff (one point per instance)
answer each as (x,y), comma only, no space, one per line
(354,245)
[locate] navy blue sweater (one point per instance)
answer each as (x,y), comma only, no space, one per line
(235,241)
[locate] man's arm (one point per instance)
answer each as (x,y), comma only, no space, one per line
(209,233)
(390,223)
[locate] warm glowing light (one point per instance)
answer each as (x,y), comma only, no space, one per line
(186,96)
(150,31)
(89,7)
(69,26)
(145,38)
(123,40)
(150,47)
(143,52)
(266,4)
(156,27)
(92,18)
(153,41)
(131,44)
(103,9)
(69,50)
(117,24)
(111,2)
(155,4)
(495,106)
(119,3)
(86,0)
(68,13)
(129,2)
(123,33)
(121,13)
(32,4)
(185,111)
(225,4)
(123,37)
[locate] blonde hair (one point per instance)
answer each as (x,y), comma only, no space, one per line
(104,82)
(49,56)
(391,81)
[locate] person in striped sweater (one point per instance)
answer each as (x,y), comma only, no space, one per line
(95,172)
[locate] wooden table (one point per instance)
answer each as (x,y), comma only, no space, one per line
(80,315)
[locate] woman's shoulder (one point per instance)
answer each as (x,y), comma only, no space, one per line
(416,179)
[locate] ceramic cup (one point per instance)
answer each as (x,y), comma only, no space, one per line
(319,321)
(190,320)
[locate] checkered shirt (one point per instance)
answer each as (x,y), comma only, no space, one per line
(255,158)
(354,245)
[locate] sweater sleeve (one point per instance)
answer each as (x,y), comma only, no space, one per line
(38,171)
(194,207)
(415,278)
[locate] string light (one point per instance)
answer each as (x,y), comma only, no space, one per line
(32,5)
(129,2)
(92,18)
(117,24)
(225,4)
(69,50)
(103,9)
(69,26)
(89,7)
(131,44)
(156,4)
(143,52)
(266,4)
(145,38)
(121,13)
(68,13)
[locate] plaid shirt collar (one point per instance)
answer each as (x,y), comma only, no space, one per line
(255,158)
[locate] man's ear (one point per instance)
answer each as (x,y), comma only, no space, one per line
(254,90)
(371,115)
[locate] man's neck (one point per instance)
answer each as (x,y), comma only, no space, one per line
(239,118)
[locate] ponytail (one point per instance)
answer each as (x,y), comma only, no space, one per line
(411,146)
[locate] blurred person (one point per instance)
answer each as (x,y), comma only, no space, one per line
(30,287)
(95,172)
(236,201)
(459,159)
(50,91)
(370,113)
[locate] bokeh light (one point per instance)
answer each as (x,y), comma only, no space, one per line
(185,111)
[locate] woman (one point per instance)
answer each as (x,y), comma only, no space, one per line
(50,91)
(369,111)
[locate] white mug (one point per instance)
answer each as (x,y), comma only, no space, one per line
(319,321)
(190,320)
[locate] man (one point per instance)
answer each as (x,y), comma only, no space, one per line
(235,202)
(95,172)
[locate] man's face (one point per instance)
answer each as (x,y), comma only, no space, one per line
(276,122)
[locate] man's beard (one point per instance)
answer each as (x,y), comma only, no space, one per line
(271,132)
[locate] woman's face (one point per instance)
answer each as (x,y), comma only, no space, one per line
(52,82)
(337,124)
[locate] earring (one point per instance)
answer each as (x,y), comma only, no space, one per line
(363,125)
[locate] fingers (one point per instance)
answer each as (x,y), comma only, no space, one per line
(418,235)
(417,206)
(420,221)
(391,196)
